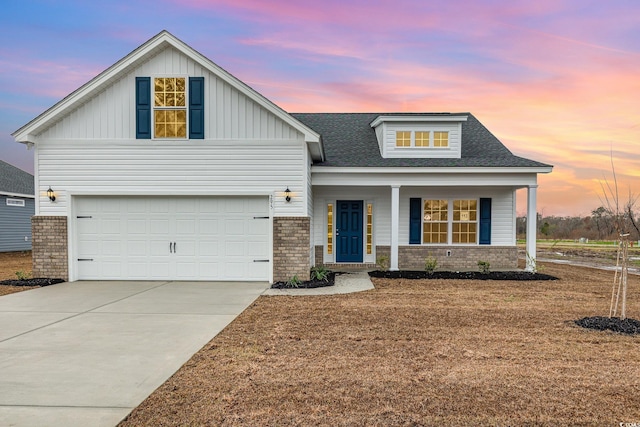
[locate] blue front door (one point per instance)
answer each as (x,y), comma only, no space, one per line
(349,231)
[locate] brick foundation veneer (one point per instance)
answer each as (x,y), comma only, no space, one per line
(50,248)
(291,245)
(463,258)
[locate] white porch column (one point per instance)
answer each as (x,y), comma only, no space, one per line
(395,227)
(532,226)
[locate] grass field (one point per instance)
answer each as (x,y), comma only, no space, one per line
(415,353)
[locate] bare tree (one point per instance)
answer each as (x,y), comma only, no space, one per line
(622,218)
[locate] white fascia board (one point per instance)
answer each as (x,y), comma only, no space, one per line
(417,119)
(24,196)
(160,41)
(444,180)
(430,171)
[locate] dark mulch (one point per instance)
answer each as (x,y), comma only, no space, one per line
(464,275)
(31,282)
(309,284)
(615,324)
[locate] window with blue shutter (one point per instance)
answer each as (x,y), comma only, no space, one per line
(143,107)
(170,114)
(196,107)
(415,220)
(485,222)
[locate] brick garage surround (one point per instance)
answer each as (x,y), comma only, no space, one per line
(291,248)
(50,247)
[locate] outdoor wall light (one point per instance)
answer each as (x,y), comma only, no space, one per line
(287,195)
(51,195)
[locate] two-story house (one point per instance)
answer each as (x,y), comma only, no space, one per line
(166,167)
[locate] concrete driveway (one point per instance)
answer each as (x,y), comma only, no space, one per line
(87,353)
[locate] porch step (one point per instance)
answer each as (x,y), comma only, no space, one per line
(346,267)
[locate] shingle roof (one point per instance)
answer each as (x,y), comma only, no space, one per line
(350,141)
(14,180)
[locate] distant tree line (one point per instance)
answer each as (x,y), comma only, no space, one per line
(600,225)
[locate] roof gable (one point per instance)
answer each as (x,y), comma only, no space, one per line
(29,132)
(15,181)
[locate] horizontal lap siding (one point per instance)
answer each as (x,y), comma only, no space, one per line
(209,167)
(15,225)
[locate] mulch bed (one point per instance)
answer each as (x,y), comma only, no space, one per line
(462,275)
(31,282)
(308,284)
(614,324)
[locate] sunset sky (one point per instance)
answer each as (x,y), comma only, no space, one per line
(556,81)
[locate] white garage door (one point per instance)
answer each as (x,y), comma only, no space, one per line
(172,238)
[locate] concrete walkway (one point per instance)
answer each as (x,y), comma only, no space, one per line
(345,283)
(87,353)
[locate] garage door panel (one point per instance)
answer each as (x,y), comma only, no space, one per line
(216,238)
(185,226)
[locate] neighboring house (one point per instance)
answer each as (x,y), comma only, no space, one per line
(167,167)
(17,206)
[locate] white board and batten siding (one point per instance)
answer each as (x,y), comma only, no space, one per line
(247,150)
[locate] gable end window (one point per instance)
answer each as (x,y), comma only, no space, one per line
(169,107)
(166,104)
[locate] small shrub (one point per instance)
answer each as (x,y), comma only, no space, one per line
(383,262)
(294,282)
(484,266)
(21,275)
(320,273)
(430,265)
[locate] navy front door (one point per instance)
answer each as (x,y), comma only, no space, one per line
(349,231)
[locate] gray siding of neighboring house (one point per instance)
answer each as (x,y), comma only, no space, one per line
(15,224)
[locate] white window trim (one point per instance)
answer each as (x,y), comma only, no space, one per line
(450,221)
(18,203)
(153,106)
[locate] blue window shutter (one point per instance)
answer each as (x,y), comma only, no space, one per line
(485,221)
(415,217)
(143,107)
(196,107)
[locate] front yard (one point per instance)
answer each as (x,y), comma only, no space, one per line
(415,352)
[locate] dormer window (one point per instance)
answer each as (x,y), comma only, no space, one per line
(403,138)
(422,139)
(441,139)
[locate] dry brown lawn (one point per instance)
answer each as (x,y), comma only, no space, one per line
(412,353)
(10,263)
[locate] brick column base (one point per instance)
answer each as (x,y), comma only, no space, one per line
(291,248)
(50,248)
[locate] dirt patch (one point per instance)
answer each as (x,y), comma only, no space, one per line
(10,263)
(414,353)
